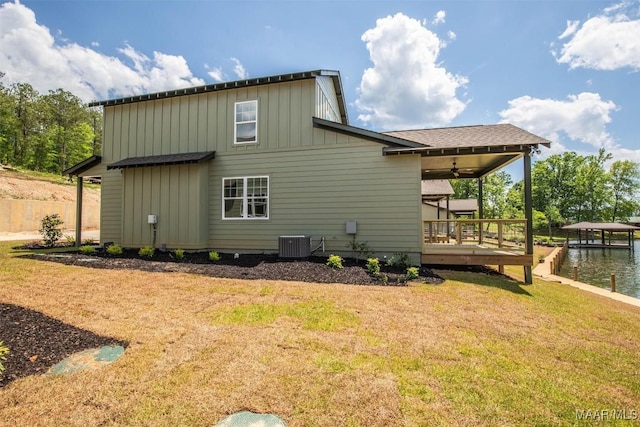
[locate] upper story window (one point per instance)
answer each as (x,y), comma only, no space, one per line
(246,123)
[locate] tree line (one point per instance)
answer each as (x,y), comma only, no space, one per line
(566,188)
(46,132)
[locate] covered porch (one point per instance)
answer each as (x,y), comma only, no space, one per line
(473,152)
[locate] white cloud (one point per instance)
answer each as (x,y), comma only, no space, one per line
(439,18)
(216,74)
(239,69)
(30,54)
(581,118)
(452,35)
(407,87)
(605,42)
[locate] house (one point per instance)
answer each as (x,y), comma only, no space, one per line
(233,166)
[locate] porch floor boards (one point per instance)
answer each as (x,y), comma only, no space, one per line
(453,254)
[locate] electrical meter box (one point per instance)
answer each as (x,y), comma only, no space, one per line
(352,227)
(152,219)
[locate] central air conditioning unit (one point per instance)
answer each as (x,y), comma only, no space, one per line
(294,246)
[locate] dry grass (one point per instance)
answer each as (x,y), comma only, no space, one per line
(476,350)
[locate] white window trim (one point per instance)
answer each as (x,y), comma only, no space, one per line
(245,199)
(236,123)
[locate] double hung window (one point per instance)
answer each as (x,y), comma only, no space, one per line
(245,197)
(246,123)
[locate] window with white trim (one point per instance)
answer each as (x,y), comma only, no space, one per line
(246,122)
(245,197)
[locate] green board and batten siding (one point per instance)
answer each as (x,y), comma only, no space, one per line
(318,178)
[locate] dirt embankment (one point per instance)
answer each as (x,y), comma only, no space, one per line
(26,198)
(22,186)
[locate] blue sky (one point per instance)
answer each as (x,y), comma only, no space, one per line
(565,70)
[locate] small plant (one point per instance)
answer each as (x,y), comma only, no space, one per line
(400,259)
(334,261)
(114,250)
(50,229)
(360,249)
(373,266)
(4,350)
(179,253)
(87,250)
(71,240)
(87,242)
(146,252)
(214,256)
(413,273)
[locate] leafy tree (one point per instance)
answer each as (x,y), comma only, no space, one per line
(515,201)
(465,188)
(554,186)
(624,183)
(65,114)
(591,187)
(494,194)
(46,132)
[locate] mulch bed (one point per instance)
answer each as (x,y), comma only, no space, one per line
(244,266)
(37,342)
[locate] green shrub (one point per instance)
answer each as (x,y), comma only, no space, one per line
(50,229)
(4,350)
(87,250)
(214,256)
(360,249)
(373,266)
(334,261)
(71,240)
(147,252)
(413,273)
(179,253)
(87,242)
(114,250)
(400,259)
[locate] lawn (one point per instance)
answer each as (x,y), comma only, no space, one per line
(475,350)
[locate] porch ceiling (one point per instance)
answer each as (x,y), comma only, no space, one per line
(476,150)
(468,165)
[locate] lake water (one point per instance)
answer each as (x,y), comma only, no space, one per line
(595,267)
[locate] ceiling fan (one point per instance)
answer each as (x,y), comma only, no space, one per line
(456,171)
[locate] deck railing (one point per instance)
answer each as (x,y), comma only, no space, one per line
(509,234)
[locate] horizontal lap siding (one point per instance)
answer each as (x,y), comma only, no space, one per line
(315,191)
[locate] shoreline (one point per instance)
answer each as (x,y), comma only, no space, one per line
(542,271)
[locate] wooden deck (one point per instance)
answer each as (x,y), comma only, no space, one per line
(475,242)
(473,255)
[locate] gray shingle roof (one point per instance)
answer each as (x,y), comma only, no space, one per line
(436,187)
(471,136)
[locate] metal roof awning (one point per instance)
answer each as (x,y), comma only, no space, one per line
(607,226)
(163,160)
(84,165)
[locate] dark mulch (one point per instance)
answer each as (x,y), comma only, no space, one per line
(37,342)
(244,266)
